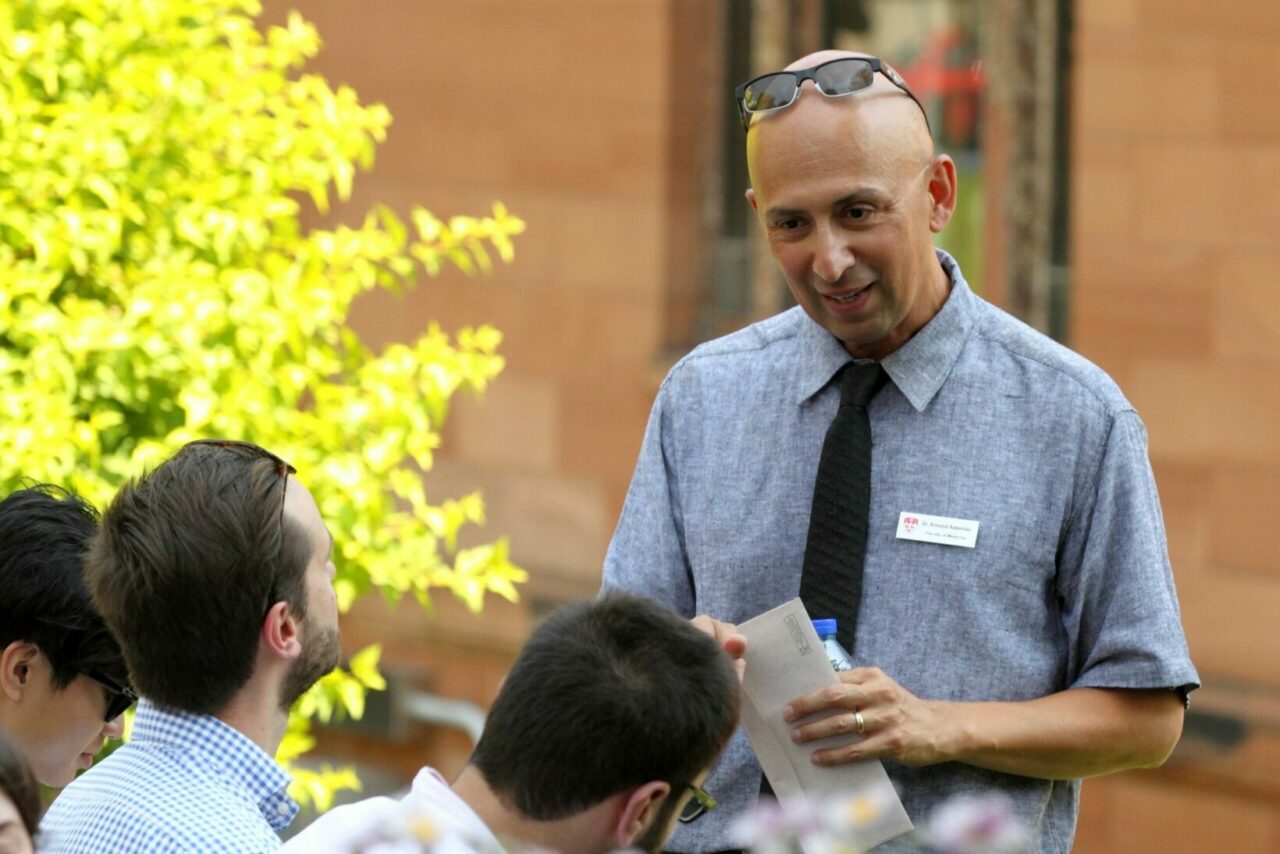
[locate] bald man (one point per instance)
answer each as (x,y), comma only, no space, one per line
(1048,649)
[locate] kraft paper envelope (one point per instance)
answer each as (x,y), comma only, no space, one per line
(785,659)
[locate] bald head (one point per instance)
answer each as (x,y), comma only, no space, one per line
(850,193)
(881,85)
(881,126)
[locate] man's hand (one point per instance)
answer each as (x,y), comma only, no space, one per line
(726,634)
(895,722)
(1079,732)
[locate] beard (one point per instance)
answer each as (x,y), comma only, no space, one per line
(320,654)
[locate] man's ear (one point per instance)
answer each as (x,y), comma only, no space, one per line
(639,810)
(751,199)
(943,184)
(15,668)
(280,632)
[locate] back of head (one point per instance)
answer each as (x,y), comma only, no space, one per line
(606,696)
(44,536)
(188,561)
(19,785)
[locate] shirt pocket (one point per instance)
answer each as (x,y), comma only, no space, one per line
(974,623)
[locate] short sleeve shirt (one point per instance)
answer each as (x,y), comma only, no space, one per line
(984,419)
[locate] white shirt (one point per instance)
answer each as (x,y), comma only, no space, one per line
(429,818)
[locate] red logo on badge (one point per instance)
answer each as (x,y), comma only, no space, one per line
(909,523)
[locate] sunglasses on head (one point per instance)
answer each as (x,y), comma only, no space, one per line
(119,697)
(253,451)
(257,452)
(834,78)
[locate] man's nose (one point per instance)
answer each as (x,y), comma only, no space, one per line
(832,257)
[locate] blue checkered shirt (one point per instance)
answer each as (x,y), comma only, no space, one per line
(183,783)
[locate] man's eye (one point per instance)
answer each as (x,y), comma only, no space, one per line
(787,224)
(858,214)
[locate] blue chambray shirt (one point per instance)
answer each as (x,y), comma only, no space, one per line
(985,419)
(183,783)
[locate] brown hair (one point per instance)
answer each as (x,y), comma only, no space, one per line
(188,560)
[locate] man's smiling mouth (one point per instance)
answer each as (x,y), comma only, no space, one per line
(848,297)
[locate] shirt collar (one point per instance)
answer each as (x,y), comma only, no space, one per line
(918,368)
(222,749)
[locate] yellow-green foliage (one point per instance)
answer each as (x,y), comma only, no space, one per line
(156,286)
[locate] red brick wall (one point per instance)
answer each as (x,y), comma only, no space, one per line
(1175,263)
(563,110)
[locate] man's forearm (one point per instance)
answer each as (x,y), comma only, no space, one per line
(1082,732)
(1076,733)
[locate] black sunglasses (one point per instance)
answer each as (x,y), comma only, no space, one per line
(834,78)
(700,803)
(119,697)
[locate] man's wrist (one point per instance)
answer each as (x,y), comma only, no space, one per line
(960,734)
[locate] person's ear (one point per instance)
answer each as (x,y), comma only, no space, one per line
(639,810)
(280,633)
(751,199)
(16,662)
(942,192)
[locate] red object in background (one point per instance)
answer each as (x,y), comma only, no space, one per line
(947,77)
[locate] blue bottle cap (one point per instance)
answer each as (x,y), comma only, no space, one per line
(825,628)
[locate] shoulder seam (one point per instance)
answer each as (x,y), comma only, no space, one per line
(1111,411)
(720,347)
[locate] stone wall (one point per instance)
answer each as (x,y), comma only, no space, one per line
(1175,231)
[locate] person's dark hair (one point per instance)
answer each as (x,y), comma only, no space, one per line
(44,536)
(188,560)
(606,696)
(19,784)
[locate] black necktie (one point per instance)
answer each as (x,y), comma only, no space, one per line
(831,581)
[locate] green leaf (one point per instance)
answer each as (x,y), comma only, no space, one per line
(364,666)
(161,281)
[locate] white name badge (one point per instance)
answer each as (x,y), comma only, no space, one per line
(942,530)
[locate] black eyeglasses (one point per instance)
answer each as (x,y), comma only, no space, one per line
(119,697)
(836,77)
(700,803)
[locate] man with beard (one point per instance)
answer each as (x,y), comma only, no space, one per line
(215,574)
(599,740)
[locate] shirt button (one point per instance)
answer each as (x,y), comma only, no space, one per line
(282,808)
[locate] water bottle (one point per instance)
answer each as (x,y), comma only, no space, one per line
(826,630)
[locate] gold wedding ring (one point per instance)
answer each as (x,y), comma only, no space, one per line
(858,719)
